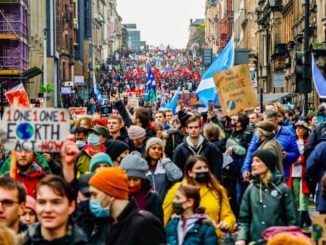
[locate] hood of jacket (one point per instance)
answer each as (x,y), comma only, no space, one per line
(36,171)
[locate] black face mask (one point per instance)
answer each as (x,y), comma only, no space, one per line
(202,177)
(177,208)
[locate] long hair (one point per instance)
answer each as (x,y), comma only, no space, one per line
(212,184)
(192,192)
(213,132)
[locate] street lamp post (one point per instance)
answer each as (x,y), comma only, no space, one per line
(45,71)
(306,64)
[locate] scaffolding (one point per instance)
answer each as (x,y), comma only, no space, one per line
(13,37)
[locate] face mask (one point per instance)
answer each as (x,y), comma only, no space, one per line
(202,177)
(80,143)
(93,139)
(98,210)
(177,208)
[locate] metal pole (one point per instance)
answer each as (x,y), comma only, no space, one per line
(261,100)
(306,64)
(45,71)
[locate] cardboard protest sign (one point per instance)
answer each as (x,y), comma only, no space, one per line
(77,112)
(133,102)
(37,129)
(319,229)
(188,99)
(235,90)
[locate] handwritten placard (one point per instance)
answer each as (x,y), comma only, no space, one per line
(235,90)
(37,129)
(77,112)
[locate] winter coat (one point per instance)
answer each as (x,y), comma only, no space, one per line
(135,227)
(210,151)
(196,232)
(164,176)
(262,208)
(38,158)
(220,144)
(316,167)
(34,237)
(153,200)
(288,143)
(316,136)
(216,208)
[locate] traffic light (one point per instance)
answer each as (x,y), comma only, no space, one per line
(302,73)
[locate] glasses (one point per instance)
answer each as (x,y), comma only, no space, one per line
(7,203)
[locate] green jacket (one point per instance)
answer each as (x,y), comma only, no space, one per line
(38,158)
(262,208)
(82,163)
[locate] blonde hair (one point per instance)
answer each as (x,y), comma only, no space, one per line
(266,179)
(7,236)
(213,132)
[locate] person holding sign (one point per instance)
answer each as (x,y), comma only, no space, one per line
(95,143)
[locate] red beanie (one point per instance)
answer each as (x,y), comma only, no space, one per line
(112,181)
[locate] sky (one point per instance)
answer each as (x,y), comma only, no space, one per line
(162,21)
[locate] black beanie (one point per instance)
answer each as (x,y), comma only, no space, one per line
(115,147)
(268,157)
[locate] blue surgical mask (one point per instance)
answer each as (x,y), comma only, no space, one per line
(93,139)
(80,143)
(98,210)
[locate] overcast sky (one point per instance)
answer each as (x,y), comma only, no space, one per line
(162,21)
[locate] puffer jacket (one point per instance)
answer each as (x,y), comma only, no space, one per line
(216,208)
(213,155)
(196,232)
(262,208)
(288,143)
(164,176)
(75,236)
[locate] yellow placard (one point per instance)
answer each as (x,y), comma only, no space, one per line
(235,90)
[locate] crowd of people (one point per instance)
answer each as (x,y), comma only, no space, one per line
(139,177)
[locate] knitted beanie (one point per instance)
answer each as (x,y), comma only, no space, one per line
(115,147)
(30,203)
(268,157)
(134,166)
(112,181)
(153,141)
(100,158)
(136,132)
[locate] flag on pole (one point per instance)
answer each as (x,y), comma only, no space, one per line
(150,92)
(174,102)
(206,89)
(319,80)
(97,92)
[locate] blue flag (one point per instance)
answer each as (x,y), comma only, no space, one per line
(150,92)
(97,92)
(319,80)
(206,89)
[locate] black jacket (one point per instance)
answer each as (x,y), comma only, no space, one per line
(316,136)
(136,227)
(175,138)
(213,155)
(34,237)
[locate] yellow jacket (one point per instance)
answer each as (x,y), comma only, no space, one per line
(209,199)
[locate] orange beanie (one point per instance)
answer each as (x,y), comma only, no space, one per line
(112,181)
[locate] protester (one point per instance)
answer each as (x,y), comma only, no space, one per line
(100,161)
(213,196)
(109,198)
(95,143)
(81,135)
(7,236)
(55,203)
(100,121)
(215,134)
(195,144)
(311,119)
(296,180)
(318,134)
(117,150)
(12,199)
(137,136)
(29,214)
(163,173)
(28,171)
(140,188)
(254,118)
(286,139)
(85,122)
(116,129)
(267,202)
(189,226)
